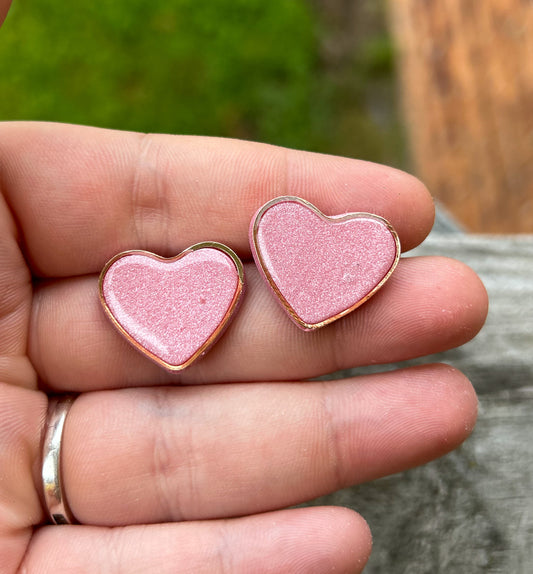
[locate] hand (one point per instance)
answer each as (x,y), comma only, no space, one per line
(191,470)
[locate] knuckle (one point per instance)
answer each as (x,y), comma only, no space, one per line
(150,192)
(172,462)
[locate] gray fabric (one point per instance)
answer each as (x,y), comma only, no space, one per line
(472,510)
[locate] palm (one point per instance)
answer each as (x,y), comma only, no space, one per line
(139,449)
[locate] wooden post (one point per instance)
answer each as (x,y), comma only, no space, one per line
(466,70)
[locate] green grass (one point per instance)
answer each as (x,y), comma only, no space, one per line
(238,68)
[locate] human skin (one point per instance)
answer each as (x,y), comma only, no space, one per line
(191,472)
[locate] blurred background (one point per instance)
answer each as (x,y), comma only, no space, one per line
(307,74)
(442,89)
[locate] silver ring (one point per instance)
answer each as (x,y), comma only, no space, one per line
(54,495)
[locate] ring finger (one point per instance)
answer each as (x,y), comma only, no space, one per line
(189,453)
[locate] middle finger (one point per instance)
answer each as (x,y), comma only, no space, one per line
(430,304)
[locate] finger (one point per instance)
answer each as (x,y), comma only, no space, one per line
(429,305)
(15,299)
(15,305)
(170,454)
(305,541)
(83,194)
(22,415)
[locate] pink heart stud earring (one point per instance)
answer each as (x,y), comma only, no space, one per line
(173,309)
(321,268)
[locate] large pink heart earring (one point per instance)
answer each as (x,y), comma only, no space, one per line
(173,309)
(321,267)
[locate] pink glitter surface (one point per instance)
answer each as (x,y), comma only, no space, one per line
(171,308)
(322,267)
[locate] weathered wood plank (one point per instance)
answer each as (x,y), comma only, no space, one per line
(466,71)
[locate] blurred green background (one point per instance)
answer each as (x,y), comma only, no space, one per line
(309,74)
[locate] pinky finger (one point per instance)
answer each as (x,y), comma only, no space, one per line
(304,540)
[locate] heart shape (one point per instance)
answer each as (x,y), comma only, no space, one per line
(172,309)
(321,267)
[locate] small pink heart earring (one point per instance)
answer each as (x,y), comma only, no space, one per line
(321,268)
(173,309)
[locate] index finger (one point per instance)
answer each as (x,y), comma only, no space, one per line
(82,194)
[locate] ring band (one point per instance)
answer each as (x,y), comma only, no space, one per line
(54,496)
